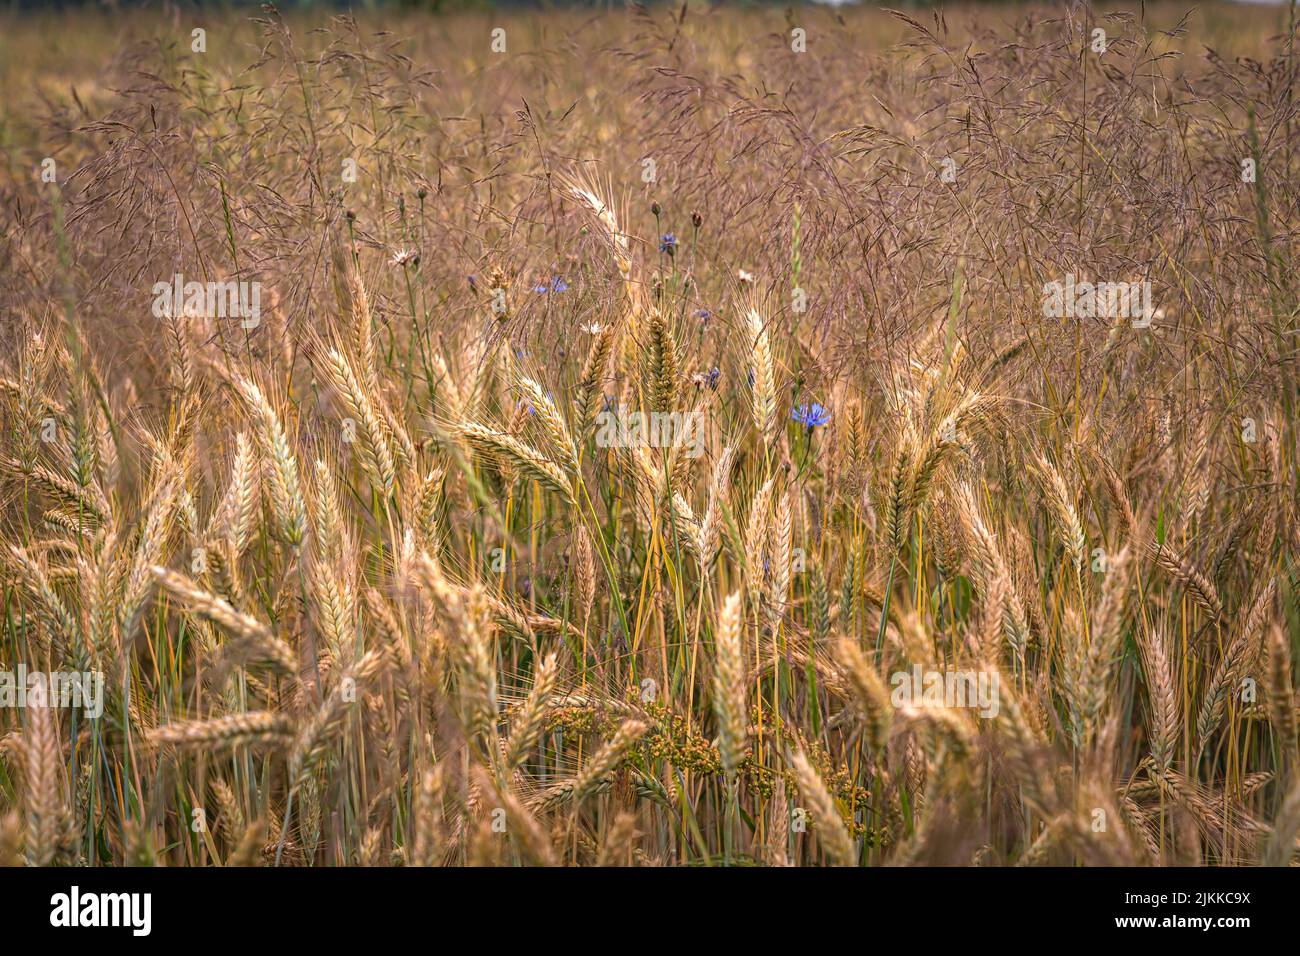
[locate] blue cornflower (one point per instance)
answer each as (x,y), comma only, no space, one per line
(556,285)
(811,416)
(668,243)
(703,315)
(709,377)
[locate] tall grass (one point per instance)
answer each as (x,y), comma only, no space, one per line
(368,586)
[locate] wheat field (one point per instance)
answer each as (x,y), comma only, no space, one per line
(641,437)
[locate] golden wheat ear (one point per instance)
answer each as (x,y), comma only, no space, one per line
(364,424)
(729,688)
(832,835)
(281,463)
(763,398)
(514,452)
(590,196)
